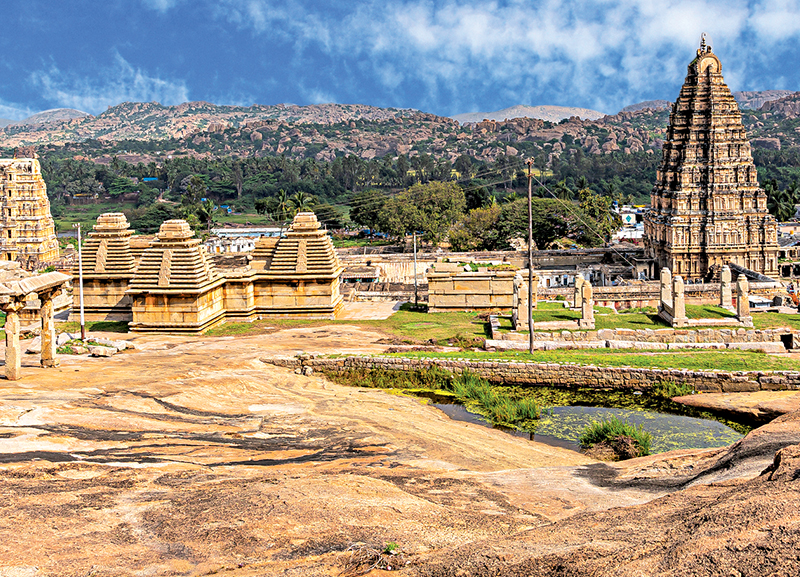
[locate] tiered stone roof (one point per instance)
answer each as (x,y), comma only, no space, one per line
(306,250)
(707,209)
(107,249)
(174,262)
(27,230)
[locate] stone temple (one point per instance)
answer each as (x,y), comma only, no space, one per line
(173,286)
(27,230)
(707,209)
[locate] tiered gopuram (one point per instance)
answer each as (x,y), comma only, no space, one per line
(707,209)
(27,230)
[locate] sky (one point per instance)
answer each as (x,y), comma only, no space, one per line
(441,56)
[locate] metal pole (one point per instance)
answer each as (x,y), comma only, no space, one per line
(416,293)
(530,257)
(80,282)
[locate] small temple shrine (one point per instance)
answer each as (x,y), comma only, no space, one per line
(707,209)
(27,230)
(173,286)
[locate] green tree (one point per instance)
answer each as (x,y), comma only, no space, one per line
(366,206)
(478,230)
(206,211)
(302,202)
(432,208)
(550,221)
(601,222)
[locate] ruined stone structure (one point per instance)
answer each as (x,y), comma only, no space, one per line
(27,230)
(12,301)
(707,209)
(452,289)
(108,268)
(519,314)
(173,286)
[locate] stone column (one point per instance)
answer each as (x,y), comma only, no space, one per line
(577,301)
(535,291)
(13,353)
(666,288)
(587,306)
(48,358)
(725,291)
(679,318)
(743,301)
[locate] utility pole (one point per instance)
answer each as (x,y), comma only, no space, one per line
(530,256)
(416,292)
(80,280)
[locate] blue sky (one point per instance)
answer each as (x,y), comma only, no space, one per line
(441,56)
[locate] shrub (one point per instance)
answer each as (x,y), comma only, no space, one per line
(617,434)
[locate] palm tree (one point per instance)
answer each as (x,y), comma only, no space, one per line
(284,204)
(302,202)
(206,212)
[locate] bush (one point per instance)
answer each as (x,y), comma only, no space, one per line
(618,435)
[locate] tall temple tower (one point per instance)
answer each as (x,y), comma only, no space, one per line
(707,209)
(27,230)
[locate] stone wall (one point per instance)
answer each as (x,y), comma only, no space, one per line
(466,291)
(554,374)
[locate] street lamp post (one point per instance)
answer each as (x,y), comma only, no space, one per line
(80,280)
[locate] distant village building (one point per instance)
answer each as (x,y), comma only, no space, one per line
(707,209)
(27,230)
(242,239)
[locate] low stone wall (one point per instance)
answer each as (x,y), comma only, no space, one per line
(466,291)
(725,336)
(553,374)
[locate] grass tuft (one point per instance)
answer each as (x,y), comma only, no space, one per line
(617,434)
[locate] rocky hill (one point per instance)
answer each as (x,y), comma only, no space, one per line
(652,104)
(755,100)
(550,113)
(52,115)
(153,121)
(5,122)
(144,132)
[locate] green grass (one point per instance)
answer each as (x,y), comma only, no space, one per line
(611,430)
(475,393)
(413,327)
(670,389)
(724,360)
(708,312)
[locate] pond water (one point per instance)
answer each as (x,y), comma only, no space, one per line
(569,411)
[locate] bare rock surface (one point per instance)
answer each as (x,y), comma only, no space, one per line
(189,456)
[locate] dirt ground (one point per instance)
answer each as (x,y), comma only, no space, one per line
(191,456)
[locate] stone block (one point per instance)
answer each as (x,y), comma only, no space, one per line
(763,347)
(101,351)
(34,346)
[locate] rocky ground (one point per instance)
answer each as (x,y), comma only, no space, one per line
(191,456)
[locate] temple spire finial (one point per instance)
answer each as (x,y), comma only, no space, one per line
(703,46)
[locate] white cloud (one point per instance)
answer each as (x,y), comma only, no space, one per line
(11,111)
(120,82)
(161,5)
(606,52)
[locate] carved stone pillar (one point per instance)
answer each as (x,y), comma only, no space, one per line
(48,358)
(725,291)
(666,288)
(679,318)
(13,354)
(577,301)
(587,306)
(743,301)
